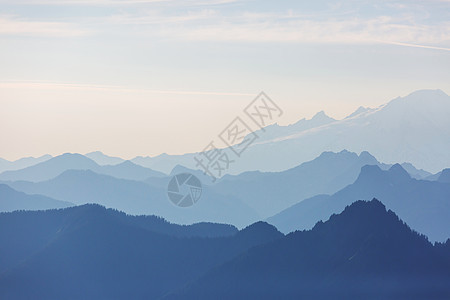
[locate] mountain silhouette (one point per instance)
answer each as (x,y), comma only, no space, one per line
(72,161)
(102,159)
(138,198)
(50,168)
(6,165)
(271,192)
(444,176)
(252,195)
(423,205)
(365,252)
(11,200)
(88,252)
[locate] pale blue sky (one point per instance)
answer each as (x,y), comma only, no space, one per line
(145,77)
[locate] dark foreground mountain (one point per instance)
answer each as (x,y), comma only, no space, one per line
(424,205)
(11,200)
(365,252)
(88,252)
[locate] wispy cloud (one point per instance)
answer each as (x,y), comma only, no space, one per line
(109,88)
(16,26)
(117,2)
(403,23)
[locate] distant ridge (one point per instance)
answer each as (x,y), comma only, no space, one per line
(11,200)
(103,159)
(73,161)
(413,129)
(424,205)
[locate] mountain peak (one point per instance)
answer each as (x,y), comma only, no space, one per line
(366,156)
(370,172)
(359,111)
(426,93)
(398,173)
(95,153)
(260,230)
(320,116)
(362,217)
(428,99)
(362,207)
(445,176)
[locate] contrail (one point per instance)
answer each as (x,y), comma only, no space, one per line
(414,45)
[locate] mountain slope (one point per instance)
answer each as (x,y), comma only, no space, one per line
(424,205)
(135,197)
(50,168)
(73,161)
(365,252)
(6,165)
(105,256)
(269,193)
(11,200)
(102,159)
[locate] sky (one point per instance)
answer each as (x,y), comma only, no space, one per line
(145,77)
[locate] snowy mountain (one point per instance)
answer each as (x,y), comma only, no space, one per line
(413,129)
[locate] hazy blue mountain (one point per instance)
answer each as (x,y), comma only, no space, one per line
(204,178)
(365,252)
(423,205)
(275,131)
(444,176)
(433,177)
(50,168)
(269,193)
(164,162)
(72,161)
(6,165)
(359,111)
(414,129)
(129,170)
(11,200)
(414,172)
(89,252)
(136,197)
(103,159)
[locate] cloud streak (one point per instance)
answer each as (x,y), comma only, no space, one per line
(108,88)
(396,23)
(15,26)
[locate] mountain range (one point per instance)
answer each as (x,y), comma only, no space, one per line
(424,205)
(270,192)
(139,197)
(6,165)
(11,200)
(413,129)
(72,161)
(88,252)
(235,199)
